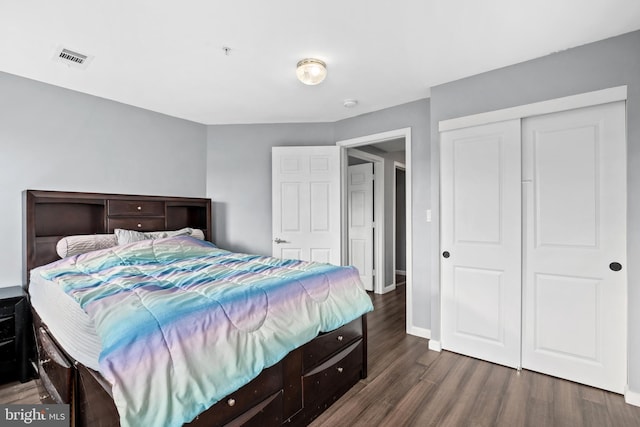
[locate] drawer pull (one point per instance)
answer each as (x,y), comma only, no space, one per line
(231,402)
(139,208)
(334,360)
(340,370)
(139,225)
(340,337)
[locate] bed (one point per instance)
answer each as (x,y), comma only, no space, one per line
(289,385)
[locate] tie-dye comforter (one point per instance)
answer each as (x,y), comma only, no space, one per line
(184,323)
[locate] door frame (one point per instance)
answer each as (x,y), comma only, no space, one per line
(378,215)
(403,167)
(386,136)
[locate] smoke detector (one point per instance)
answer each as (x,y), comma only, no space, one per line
(72,58)
(350,103)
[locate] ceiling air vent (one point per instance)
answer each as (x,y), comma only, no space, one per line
(72,58)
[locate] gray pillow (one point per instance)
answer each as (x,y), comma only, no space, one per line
(129,236)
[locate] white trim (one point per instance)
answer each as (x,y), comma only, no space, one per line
(419,332)
(388,288)
(631,397)
(344,226)
(435,345)
(375,138)
(378,213)
(396,165)
(385,136)
(604,96)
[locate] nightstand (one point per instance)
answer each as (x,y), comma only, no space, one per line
(14,341)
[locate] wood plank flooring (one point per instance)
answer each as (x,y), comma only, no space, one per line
(408,385)
(19,394)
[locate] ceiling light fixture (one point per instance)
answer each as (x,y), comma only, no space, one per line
(311,71)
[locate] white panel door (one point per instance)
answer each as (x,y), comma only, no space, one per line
(575,227)
(481,242)
(360,201)
(306,203)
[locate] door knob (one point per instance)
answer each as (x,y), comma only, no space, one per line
(446,254)
(615,266)
(279,240)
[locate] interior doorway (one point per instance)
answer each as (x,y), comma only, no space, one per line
(365,189)
(393,146)
(373,262)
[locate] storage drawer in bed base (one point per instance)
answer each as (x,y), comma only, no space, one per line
(249,399)
(327,382)
(286,394)
(94,404)
(55,371)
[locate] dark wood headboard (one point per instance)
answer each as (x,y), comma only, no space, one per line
(52,215)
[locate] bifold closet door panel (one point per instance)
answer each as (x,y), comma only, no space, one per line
(481,241)
(574,189)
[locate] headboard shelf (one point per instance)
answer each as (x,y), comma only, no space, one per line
(57,218)
(52,215)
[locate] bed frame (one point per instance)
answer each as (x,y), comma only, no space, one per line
(292,392)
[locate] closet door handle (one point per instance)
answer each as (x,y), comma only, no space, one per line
(615,266)
(446,254)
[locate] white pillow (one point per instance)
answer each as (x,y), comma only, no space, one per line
(129,236)
(197,234)
(74,245)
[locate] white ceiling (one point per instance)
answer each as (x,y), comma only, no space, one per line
(167,56)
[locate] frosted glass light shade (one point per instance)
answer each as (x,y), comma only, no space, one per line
(311,71)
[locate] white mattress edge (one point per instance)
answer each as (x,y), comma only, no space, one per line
(67,322)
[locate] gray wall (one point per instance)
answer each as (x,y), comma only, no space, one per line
(57,139)
(604,64)
(416,116)
(52,138)
(239,178)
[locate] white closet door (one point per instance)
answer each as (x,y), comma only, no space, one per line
(481,242)
(575,228)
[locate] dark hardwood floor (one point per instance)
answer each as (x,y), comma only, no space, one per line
(16,393)
(408,385)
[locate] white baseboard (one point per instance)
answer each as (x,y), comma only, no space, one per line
(388,288)
(435,345)
(419,332)
(631,397)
